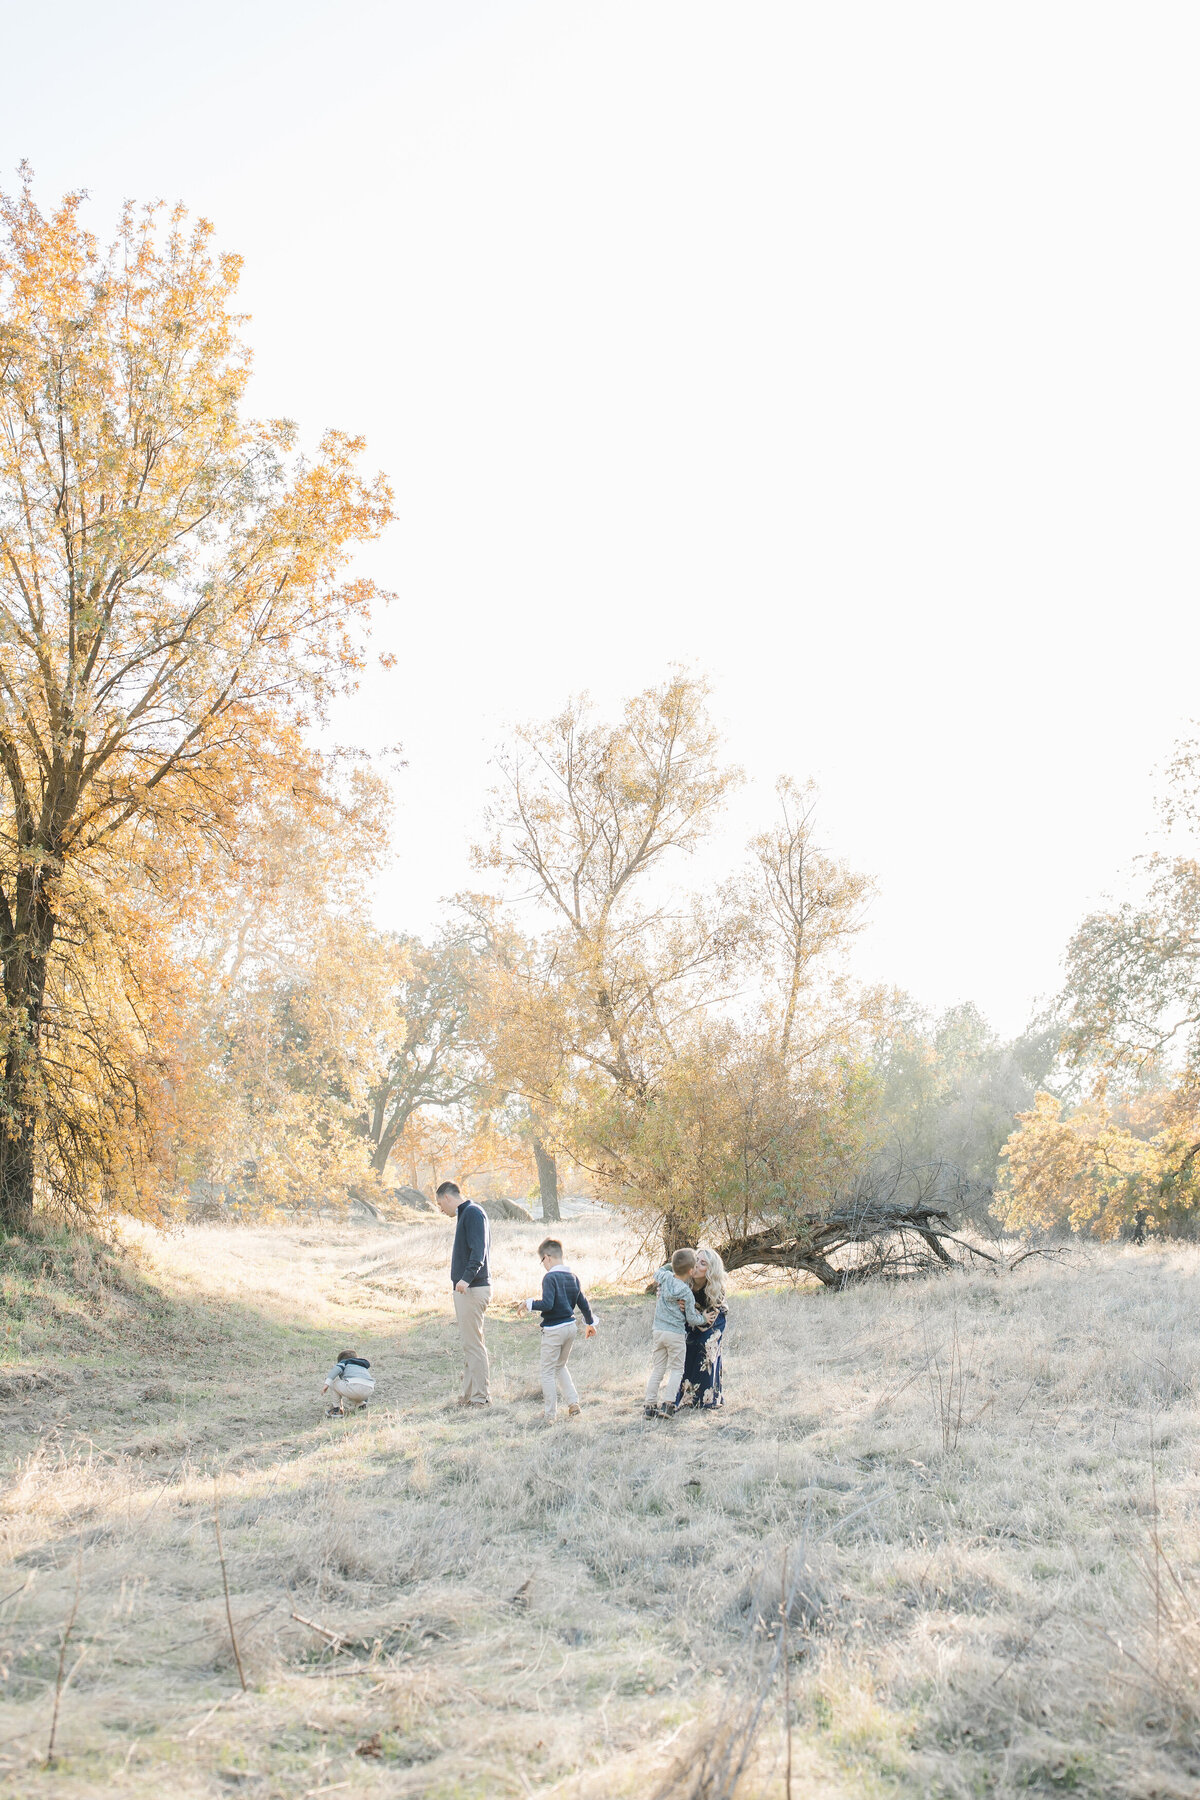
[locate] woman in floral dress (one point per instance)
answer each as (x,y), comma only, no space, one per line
(701,1384)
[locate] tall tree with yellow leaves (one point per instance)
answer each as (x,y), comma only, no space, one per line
(589,816)
(173,609)
(701,1056)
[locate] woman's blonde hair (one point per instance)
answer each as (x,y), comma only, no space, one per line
(714,1281)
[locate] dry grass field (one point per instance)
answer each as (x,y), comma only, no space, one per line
(984,1490)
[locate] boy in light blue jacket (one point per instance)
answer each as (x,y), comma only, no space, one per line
(674,1310)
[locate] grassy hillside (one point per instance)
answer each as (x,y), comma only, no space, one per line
(985,1491)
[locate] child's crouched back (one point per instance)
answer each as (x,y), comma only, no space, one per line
(351,1380)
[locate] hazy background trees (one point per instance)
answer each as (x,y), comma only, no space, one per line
(1117,1153)
(197,998)
(705,1054)
(700,1056)
(949,1093)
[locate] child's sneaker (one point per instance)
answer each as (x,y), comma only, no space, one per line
(651,1412)
(334,1412)
(667,1411)
(573,1412)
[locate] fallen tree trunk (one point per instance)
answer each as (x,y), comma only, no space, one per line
(810,1243)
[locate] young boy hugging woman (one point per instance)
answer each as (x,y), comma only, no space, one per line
(674,1311)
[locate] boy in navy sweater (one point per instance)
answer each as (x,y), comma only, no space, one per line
(561,1294)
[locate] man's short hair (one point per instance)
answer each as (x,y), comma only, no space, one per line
(449,1187)
(550,1247)
(682,1261)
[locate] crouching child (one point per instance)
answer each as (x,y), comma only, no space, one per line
(561,1294)
(351,1380)
(674,1310)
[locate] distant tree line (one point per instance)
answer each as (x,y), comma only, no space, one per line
(701,1058)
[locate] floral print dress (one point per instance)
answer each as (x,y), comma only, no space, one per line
(701,1384)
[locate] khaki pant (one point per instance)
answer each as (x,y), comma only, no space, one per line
(469,1309)
(670,1349)
(558,1341)
(353,1393)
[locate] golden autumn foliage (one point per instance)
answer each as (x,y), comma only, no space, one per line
(1131,1009)
(1101,1168)
(173,611)
(1081,1173)
(701,1055)
(284,1071)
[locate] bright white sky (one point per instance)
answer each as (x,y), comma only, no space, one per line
(846,351)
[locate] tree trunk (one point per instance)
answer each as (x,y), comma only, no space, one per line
(16,1175)
(777,1248)
(766,1251)
(930,1238)
(387,1130)
(25,989)
(675,1234)
(547,1170)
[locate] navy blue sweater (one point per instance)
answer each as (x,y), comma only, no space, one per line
(472,1243)
(561,1294)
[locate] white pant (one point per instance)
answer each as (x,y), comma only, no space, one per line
(356,1392)
(469,1309)
(558,1341)
(670,1349)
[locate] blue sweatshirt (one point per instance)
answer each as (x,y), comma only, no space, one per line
(472,1243)
(561,1294)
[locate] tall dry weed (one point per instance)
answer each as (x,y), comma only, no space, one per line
(782,1605)
(952,1376)
(602,1609)
(1157,1645)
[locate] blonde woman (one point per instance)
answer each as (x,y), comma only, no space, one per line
(701,1384)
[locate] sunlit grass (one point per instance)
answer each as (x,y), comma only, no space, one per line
(509,1610)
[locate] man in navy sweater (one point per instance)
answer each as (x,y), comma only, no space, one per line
(561,1294)
(471,1279)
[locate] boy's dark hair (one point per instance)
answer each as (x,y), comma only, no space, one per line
(550,1247)
(682,1261)
(348,1356)
(448,1187)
